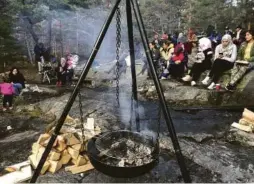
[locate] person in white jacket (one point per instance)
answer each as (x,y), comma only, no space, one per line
(225,56)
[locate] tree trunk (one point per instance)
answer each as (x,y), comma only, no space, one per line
(28,49)
(77,34)
(29,26)
(50,33)
(61,38)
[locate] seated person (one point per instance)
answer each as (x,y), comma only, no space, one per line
(202,63)
(17,79)
(225,56)
(70,69)
(156,57)
(176,68)
(61,71)
(166,53)
(244,62)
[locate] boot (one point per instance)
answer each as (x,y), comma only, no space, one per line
(212,86)
(205,81)
(187,78)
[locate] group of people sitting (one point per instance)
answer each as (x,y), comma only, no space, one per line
(172,60)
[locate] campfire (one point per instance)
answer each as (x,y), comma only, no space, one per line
(125,149)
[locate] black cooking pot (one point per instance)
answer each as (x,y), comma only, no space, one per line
(114,170)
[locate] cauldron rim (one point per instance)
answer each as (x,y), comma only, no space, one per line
(144,168)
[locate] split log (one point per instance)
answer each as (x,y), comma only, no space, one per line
(242,127)
(54,156)
(78,147)
(54,166)
(65,158)
(34,162)
(246,122)
(70,139)
(248,115)
(17,176)
(43,138)
(35,147)
(80,161)
(79,169)
(45,167)
(61,144)
(74,153)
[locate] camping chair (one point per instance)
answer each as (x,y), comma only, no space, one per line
(48,73)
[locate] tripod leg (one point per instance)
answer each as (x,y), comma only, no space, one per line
(75,92)
(165,110)
(133,68)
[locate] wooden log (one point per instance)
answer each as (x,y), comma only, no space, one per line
(54,156)
(17,167)
(45,167)
(35,147)
(79,169)
(244,121)
(54,166)
(97,130)
(80,161)
(43,138)
(89,124)
(248,115)
(74,153)
(40,153)
(61,143)
(242,127)
(34,162)
(70,139)
(78,147)
(18,176)
(65,157)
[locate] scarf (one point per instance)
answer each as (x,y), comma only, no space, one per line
(227,51)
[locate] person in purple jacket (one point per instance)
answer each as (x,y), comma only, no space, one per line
(7,90)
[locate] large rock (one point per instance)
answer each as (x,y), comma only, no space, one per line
(219,157)
(178,94)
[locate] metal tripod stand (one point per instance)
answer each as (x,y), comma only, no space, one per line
(130,4)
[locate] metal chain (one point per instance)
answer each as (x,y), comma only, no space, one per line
(81,116)
(118,46)
(159,122)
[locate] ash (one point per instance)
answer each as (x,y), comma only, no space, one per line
(127,153)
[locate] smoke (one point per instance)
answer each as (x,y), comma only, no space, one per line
(125,116)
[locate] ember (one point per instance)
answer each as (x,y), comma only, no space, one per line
(128,152)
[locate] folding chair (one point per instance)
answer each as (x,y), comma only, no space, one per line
(48,73)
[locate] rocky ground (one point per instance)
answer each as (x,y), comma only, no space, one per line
(213,151)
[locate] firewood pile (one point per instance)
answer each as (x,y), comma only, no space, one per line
(68,151)
(246,123)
